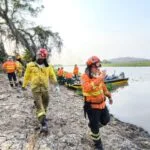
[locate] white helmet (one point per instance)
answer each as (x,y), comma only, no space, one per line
(9,58)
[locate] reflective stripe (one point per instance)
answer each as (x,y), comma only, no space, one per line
(101,85)
(41,114)
(94,136)
(94,87)
(10,67)
(93,93)
(96,139)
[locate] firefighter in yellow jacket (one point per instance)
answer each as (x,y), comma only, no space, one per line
(95,93)
(39,73)
(20,69)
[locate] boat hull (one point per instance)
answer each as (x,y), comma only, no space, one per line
(109,83)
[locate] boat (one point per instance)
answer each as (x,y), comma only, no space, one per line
(117,82)
(112,82)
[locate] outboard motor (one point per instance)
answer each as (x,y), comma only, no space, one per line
(122,75)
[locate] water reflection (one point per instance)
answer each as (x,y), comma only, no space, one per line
(122,86)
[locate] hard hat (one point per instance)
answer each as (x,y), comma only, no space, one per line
(42,53)
(94,60)
(10,58)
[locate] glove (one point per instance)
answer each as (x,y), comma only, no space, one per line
(24,89)
(110,101)
(98,80)
(103,74)
(57,89)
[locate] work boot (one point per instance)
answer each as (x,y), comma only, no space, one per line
(44,127)
(20,83)
(16,84)
(98,145)
(11,85)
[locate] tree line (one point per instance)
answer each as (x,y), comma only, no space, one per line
(24,33)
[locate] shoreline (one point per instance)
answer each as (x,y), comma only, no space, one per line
(67,126)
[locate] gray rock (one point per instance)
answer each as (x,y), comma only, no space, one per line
(68,129)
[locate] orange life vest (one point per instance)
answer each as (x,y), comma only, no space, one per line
(76,70)
(94,94)
(60,72)
(69,75)
(9,66)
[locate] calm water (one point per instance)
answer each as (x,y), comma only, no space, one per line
(132,102)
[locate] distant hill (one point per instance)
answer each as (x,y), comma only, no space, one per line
(128,60)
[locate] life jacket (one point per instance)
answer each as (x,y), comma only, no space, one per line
(95,95)
(60,72)
(76,71)
(69,75)
(9,66)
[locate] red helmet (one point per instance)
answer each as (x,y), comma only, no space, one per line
(42,53)
(93,61)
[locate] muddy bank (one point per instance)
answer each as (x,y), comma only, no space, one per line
(67,125)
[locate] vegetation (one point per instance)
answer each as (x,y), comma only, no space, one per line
(127,64)
(15,27)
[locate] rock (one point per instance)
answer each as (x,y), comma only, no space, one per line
(68,129)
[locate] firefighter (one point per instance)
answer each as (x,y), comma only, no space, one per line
(10,67)
(38,73)
(95,93)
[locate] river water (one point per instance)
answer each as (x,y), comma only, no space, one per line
(132,102)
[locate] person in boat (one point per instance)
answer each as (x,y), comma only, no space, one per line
(39,73)
(10,68)
(95,92)
(76,71)
(69,78)
(60,76)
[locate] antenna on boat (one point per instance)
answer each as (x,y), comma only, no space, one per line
(114,72)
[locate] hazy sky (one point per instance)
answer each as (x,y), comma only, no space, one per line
(106,28)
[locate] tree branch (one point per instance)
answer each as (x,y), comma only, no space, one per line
(1,12)
(6,6)
(30,36)
(13,12)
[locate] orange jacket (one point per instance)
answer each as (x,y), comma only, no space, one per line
(93,92)
(9,66)
(76,70)
(69,75)
(60,72)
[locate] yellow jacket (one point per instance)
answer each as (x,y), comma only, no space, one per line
(38,77)
(20,68)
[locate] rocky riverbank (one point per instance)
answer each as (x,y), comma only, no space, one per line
(67,125)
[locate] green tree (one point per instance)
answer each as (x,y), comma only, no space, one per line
(106,61)
(13,23)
